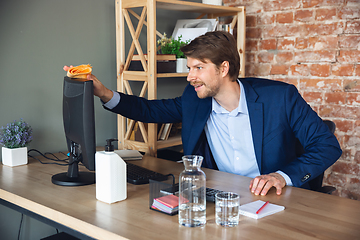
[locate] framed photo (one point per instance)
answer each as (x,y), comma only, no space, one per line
(192,28)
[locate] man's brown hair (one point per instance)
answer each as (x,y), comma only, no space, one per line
(217,46)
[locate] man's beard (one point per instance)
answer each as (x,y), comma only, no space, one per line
(206,91)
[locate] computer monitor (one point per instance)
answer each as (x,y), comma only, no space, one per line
(79,126)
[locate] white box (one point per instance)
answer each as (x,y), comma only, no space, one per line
(14,156)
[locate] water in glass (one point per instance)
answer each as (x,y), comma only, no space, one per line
(227,209)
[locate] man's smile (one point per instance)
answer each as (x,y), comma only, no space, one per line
(197,86)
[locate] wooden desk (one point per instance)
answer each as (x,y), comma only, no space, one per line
(308,214)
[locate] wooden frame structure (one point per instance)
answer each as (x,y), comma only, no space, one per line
(149,75)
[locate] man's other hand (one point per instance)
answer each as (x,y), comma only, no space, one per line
(260,185)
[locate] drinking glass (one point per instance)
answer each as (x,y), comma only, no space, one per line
(227,209)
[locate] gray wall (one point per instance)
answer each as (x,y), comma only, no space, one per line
(39,37)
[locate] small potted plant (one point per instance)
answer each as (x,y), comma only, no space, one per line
(172,46)
(15,137)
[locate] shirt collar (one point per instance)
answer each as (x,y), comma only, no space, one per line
(242,108)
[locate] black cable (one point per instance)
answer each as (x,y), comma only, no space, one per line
(22,217)
(64,154)
(47,153)
(173,182)
(56,159)
(173,178)
(61,164)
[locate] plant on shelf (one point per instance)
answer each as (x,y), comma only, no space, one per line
(15,137)
(172,46)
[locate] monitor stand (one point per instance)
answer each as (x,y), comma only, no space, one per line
(73,177)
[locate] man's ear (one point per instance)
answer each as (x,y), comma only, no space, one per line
(224,68)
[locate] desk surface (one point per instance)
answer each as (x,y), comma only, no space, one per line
(307,214)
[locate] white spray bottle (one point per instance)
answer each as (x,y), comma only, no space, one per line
(110,170)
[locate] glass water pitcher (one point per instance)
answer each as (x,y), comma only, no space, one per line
(192,193)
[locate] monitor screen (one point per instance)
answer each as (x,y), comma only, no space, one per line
(79,127)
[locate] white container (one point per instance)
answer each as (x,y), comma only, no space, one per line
(110,177)
(13,157)
(213,2)
(181,65)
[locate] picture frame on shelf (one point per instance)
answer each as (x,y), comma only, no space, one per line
(189,29)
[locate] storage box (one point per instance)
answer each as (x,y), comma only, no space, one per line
(159,189)
(165,63)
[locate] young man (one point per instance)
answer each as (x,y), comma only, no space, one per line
(244,126)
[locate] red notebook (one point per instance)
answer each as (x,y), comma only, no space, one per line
(168,203)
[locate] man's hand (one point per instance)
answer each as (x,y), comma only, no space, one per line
(261,184)
(100,90)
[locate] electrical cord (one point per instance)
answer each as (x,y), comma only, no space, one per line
(56,159)
(19,233)
(49,153)
(21,220)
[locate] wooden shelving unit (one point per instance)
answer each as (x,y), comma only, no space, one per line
(147,18)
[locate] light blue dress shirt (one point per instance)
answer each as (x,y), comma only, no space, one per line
(113,101)
(229,136)
(230,139)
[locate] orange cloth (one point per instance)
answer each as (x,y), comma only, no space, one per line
(79,71)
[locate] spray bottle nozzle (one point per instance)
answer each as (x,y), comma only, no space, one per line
(109,147)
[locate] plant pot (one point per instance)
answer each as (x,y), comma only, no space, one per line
(14,156)
(181,65)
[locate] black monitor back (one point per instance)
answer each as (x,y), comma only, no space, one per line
(79,126)
(79,118)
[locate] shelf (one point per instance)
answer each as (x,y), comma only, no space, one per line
(165,75)
(143,147)
(142,76)
(171,141)
(147,18)
(176,5)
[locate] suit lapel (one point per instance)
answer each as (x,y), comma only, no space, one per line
(256,120)
(197,116)
(199,112)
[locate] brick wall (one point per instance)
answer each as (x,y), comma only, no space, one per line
(315,45)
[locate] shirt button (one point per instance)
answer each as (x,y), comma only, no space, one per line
(237,158)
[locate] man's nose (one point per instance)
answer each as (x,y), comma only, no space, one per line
(190,75)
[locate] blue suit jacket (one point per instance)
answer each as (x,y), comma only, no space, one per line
(278,116)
